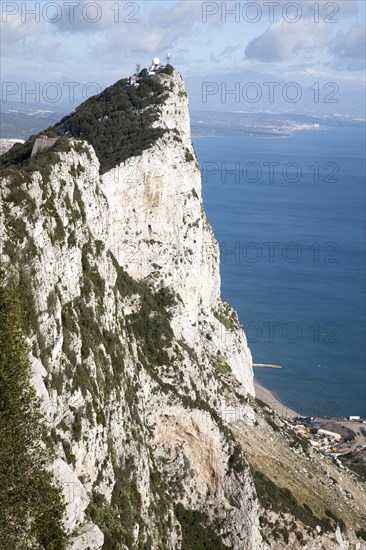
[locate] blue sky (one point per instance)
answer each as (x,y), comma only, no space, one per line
(102,41)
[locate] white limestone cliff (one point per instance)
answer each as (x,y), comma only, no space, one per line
(159,231)
(139,412)
(148,212)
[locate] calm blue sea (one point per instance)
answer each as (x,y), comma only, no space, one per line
(289,215)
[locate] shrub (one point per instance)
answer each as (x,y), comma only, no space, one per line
(196,531)
(226,318)
(188,156)
(168,69)
(220,363)
(27,312)
(118,518)
(236,460)
(77,425)
(336,519)
(281,499)
(70,457)
(355,462)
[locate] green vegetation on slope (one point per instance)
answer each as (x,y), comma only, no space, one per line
(31,506)
(119,124)
(118,519)
(19,165)
(355,461)
(281,499)
(196,532)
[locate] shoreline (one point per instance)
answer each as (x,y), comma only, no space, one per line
(265,395)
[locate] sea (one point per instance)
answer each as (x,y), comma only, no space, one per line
(289,217)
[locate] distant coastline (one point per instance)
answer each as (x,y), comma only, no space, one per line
(264,125)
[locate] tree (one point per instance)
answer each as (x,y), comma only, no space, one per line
(31,505)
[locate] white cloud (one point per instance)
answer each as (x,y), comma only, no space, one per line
(308,8)
(90,17)
(163,29)
(14,30)
(282,40)
(348,49)
(231,49)
(122,17)
(181,16)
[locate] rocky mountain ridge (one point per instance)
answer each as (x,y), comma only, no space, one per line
(144,373)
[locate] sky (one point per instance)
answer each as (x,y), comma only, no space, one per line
(100,42)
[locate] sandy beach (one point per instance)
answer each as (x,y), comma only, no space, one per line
(267,396)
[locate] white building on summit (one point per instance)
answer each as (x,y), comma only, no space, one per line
(154,67)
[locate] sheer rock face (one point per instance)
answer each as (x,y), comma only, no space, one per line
(159,231)
(143,390)
(118,416)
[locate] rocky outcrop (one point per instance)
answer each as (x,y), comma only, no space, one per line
(159,232)
(139,363)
